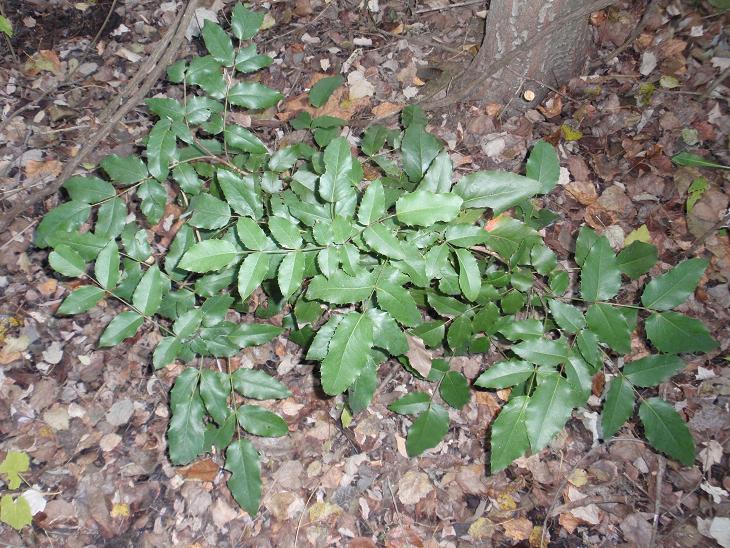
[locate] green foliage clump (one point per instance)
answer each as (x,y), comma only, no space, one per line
(397,267)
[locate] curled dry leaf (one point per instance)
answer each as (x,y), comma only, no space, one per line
(418,356)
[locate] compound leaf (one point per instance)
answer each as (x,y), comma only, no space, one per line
(261,422)
(509,434)
(242,461)
(600,277)
(121,327)
(674,333)
(427,430)
(673,288)
(347,354)
(548,410)
(666,430)
(618,406)
(186,431)
(253,383)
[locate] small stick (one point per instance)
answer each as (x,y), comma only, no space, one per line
(633,36)
(579,503)
(450,6)
(716,82)
(657,498)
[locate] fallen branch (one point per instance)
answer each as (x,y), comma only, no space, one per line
(118,107)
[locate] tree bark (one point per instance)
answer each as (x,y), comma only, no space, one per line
(528,45)
(511,23)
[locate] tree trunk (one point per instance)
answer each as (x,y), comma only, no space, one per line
(552,62)
(528,45)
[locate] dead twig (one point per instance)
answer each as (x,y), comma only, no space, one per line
(118,107)
(450,6)
(657,498)
(638,29)
(715,83)
(425,42)
(579,503)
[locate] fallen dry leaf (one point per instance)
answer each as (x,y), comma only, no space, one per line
(413,486)
(517,529)
(418,356)
(202,470)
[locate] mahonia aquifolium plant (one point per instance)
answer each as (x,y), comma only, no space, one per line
(362,271)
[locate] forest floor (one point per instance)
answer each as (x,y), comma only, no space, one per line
(93,421)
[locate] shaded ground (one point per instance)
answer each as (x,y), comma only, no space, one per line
(94,421)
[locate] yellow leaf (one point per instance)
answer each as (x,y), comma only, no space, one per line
(15,513)
(15,463)
(536,539)
(641,234)
(346,417)
(570,133)
(579,477)
(120,510)
(321,510)
(505,501)
(268,22)
(481,529)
